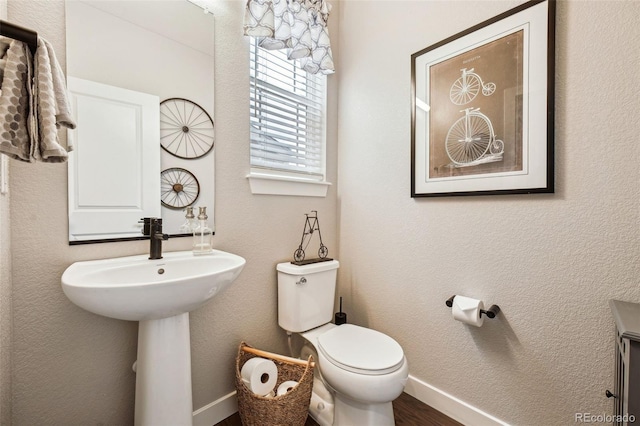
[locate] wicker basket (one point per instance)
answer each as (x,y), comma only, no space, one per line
(290,409)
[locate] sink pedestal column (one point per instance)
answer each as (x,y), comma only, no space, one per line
(163,381)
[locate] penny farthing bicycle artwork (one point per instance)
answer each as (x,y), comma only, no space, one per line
(186,130)
(482,109)
(471,139)
(466,88)
(311,225)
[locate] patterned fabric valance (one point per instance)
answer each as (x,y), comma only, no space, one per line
(300,26)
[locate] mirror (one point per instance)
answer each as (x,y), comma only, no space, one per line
(141,79)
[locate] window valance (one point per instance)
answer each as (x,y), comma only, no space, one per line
(299,26)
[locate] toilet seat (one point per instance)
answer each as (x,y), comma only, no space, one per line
(361,350)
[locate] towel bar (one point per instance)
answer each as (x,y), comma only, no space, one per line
(17,32)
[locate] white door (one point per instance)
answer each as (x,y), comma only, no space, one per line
(114,168)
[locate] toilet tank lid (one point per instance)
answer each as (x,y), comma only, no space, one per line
(290,268)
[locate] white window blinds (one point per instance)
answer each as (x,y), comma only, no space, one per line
(287,114)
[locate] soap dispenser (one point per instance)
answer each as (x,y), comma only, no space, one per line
(189,222)
(202,234)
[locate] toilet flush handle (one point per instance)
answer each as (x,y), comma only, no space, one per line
(303,280)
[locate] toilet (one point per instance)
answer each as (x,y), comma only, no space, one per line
(359,371)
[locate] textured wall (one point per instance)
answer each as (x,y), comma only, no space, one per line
(6,323)
(74,368)
(5,312)
(550,261)
(5,297)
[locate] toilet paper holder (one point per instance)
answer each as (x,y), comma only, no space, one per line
(489,313)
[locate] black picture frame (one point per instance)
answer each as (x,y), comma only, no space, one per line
(482,108)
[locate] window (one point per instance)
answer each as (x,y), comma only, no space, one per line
(287,119)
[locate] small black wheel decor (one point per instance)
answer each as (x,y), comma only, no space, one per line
(179,188)
(323,251)
(298,255)
(186,130)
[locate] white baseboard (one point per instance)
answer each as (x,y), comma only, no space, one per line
(216,411)
(458,410)
(449,404)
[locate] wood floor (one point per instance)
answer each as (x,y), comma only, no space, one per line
(407,410)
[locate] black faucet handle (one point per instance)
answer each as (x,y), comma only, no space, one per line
(156,225)
(156,229)
(150,224)
(146,228)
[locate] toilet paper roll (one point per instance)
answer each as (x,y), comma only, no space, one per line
(259,375)
(286,387)
(467,310)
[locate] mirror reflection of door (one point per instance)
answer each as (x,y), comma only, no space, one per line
(163,49)
(108,201)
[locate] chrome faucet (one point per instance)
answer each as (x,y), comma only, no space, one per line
(153,229)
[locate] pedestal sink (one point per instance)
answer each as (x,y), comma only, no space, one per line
(159,294)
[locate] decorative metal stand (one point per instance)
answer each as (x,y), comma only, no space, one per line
(311,225)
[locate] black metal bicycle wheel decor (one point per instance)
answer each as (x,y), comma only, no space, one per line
(186,129)
(179,188)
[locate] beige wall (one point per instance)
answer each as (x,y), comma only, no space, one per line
(5,311)
(5,296)
(74,368)
(550,261)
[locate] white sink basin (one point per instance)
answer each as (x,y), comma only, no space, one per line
(159,294)
(136,288)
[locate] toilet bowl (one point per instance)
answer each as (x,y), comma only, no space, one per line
(359,371)
(363,369)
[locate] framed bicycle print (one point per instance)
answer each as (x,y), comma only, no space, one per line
(482,107)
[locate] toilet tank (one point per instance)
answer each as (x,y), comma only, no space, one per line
(306,294)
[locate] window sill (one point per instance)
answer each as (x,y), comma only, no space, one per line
(266,184)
